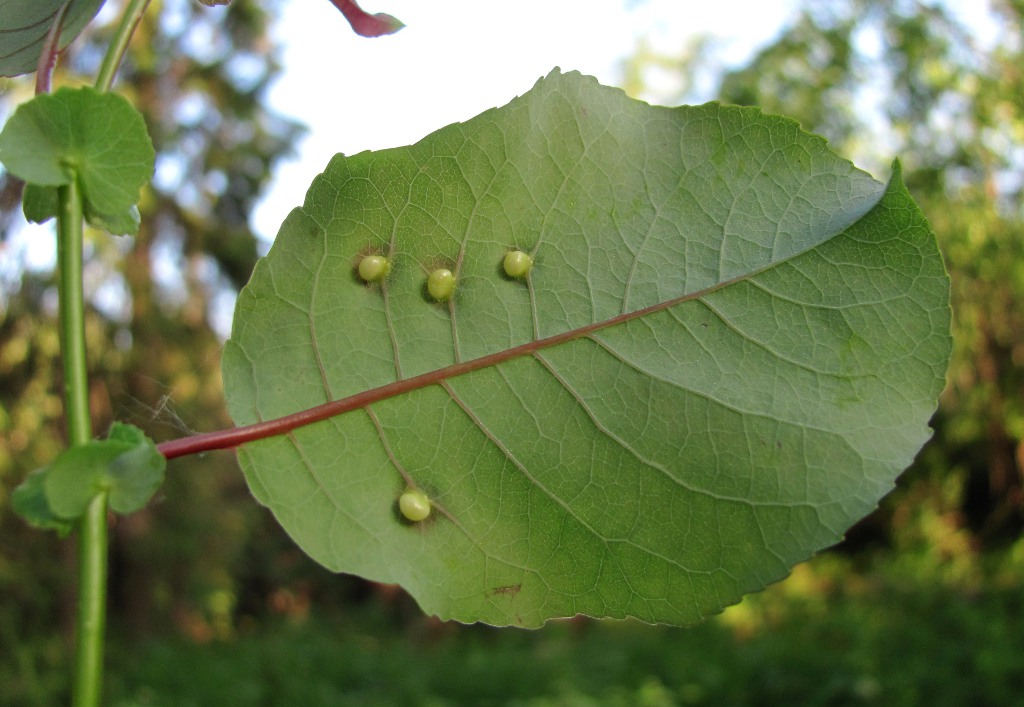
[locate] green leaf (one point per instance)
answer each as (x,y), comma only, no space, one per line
(136,473)
(40,204)
(98,138)
(25,24)
(125,223)
(29,502)
(127,466)
(728,346)
(77,475)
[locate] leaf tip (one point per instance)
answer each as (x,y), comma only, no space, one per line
(366,25)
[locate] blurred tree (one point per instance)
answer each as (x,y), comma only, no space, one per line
(917,80)
(158,303)
(198,76)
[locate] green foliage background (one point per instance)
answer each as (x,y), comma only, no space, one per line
(205,564)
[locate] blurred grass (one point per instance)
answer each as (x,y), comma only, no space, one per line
(933,621)
(927,618)
(827,636)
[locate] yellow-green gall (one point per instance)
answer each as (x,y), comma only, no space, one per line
(374,267)
(415,505)
(517,264)
(441,284)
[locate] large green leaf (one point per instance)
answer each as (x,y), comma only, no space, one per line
(729,346)
(23,28)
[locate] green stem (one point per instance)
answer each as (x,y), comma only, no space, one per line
(92,533)
(119,44)
(91,614)
(92,604)
(70,222)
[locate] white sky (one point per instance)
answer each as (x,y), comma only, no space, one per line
(457,58)
(453,60)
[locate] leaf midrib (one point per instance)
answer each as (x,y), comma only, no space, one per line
(271,428)
(225,439)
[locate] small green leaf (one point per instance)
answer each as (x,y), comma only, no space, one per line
(78,474)
(40,205)
(127,466)
(25,24)
(135,474)
(98,138)
(125,223)
(29,501)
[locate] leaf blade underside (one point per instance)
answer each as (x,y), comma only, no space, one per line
(25,24)
(730,345)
